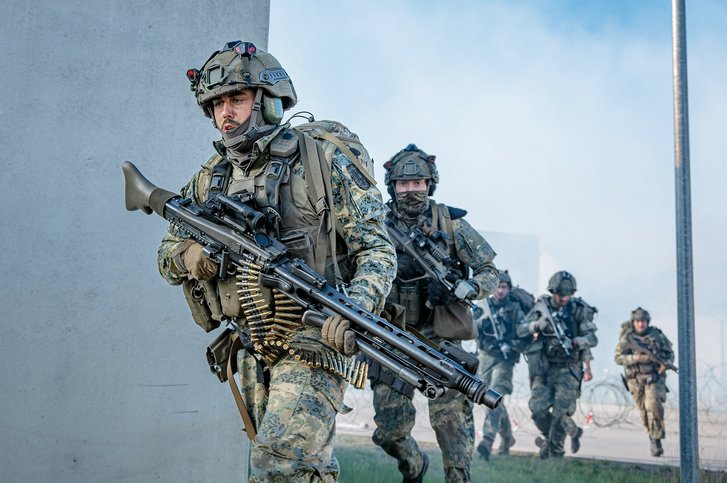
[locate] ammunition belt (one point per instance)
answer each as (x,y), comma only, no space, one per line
(272,330)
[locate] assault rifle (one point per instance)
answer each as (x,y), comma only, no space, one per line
(636,347)
(497,330)
(436,263)
(233,233)
(561,337)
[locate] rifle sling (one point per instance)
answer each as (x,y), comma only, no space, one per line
(236,346)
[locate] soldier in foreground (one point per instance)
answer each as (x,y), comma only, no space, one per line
(438,309)
(499,351)
(292,404)
(563,330)
(646,354)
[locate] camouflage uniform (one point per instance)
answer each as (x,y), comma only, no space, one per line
(555,380)
(451,415)
(294,410)
(646,383)
(496,370)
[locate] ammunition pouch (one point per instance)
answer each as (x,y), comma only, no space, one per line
(411,299)
(202,301)
(454,321)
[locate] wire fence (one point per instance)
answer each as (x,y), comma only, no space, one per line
(604,402)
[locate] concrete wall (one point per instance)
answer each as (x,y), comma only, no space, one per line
(103,371)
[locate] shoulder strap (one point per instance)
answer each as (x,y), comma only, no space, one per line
(236,346)
(442,218)
(349,154)
(322,193)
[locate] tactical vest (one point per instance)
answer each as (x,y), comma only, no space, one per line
(300,202)
(574,312)
(506,312)
(643,369)
(413,295)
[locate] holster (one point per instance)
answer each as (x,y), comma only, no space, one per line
(203,303)
(222,358)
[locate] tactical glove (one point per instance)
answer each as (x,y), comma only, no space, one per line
(336,334)
(407,267)
(539,325)
(439,294)
(465,290)
(640,358)
(197,264)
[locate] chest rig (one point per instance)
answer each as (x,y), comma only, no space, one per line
(301,221)
(412,295)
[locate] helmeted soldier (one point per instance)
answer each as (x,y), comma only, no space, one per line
(327,214)
(645,352)
(499,351)
(563,330)
(432,308)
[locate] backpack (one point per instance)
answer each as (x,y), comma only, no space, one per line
(525,299)
(332,135)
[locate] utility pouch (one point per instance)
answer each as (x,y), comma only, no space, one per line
(198,295)
(218,355)
(410,299)
(454,321)
(395,314)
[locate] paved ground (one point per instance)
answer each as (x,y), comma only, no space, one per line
(613,433)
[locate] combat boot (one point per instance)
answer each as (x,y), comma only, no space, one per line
(505,446)
(656,449)
(575,441)
(542,443)
(484,452)
(419,478)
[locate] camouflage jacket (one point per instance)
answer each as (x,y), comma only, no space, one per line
(358,209)
(578,319)
(652,340)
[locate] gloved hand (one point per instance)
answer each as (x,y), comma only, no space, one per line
(465,290)
(438,294)
(539,325)
(197,264)
(337,335)
(407,267)
(640,358)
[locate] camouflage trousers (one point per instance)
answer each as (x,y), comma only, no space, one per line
(553,397)
(497,373)
(450,417)
(650,399)
(295,419)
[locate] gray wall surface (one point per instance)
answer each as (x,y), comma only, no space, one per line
(104,376)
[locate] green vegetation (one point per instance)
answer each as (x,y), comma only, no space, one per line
(362,462)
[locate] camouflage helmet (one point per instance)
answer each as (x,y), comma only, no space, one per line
(640,314)
(505,277)
(411,163)
(562,283)
(240,65)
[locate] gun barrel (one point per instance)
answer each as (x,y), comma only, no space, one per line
(142,194)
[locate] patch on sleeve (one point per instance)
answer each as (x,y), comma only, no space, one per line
(358,177)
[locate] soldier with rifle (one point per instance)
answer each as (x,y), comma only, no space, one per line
(499,351)
(646,354)
(443,265)
(281,237)
(563,330)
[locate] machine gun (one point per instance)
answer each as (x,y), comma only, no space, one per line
(640,349)
(565,343)
(498,331)
(436,263)
(234,234)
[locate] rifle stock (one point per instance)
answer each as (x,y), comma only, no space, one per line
(228,238)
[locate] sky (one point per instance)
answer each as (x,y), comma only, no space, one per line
(548,119)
